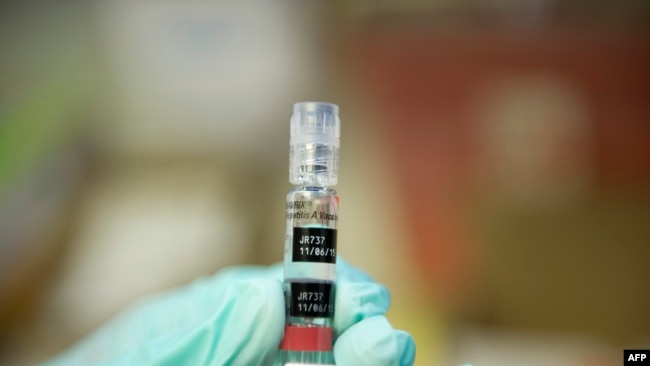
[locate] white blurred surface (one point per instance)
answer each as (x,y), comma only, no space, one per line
(141,231)
(205,77)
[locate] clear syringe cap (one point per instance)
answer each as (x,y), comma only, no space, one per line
(315,139)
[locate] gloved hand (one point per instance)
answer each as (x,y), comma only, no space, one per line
(236,317)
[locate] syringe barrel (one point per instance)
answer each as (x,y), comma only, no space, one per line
(311,235)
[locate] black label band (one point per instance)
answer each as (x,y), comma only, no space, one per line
(314,245)
(312,300)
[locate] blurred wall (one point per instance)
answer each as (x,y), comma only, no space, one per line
(523,152)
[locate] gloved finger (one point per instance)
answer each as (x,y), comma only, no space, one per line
(358,297)
(356,301)
(180,308)
(200,298)
(374,342)
(245,330)
(208,291)
(250,313)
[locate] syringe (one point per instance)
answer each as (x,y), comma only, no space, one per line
(310,242)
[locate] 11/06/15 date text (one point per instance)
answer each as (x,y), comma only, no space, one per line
(324,252)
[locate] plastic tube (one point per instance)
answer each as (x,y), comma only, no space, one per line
(310,242)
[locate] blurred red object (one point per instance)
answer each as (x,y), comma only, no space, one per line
(425,84)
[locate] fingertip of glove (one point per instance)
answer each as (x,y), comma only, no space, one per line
(252,313)
(261,299)
(356,301)
(407,345)
(209,291)
(374,342)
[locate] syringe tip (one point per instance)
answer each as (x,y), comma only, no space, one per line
(315,133)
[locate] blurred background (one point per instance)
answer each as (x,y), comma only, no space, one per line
(495,163)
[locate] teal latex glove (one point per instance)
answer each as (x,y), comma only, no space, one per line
(236,317)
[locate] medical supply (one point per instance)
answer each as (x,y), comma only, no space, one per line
(310,241)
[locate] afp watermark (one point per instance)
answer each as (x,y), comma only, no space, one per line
(636,357)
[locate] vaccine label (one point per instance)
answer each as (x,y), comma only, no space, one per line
(314,245)
(312,300)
